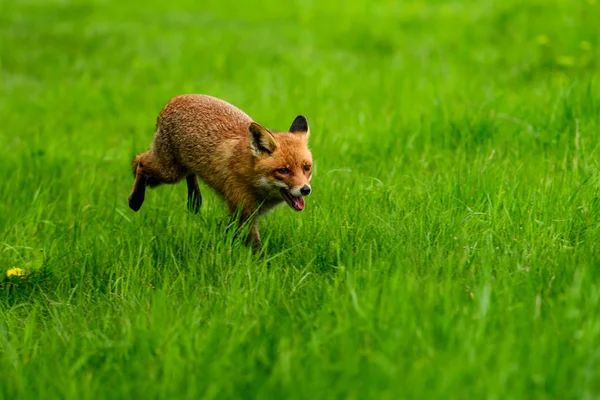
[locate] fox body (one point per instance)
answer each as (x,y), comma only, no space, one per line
(252,168)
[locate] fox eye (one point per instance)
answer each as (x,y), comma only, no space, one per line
(283,171)
(307,168)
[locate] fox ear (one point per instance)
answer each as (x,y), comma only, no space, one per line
(300,125)
(261,140)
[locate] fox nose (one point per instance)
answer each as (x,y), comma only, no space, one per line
(305,190)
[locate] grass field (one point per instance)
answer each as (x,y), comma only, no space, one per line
(450,248)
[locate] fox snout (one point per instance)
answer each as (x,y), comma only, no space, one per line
(295,197)
(301,191)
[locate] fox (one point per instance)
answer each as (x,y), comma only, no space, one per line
(252,168)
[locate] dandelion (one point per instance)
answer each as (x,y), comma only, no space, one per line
(15,272)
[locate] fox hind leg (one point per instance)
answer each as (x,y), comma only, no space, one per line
(194,200)
(150,171)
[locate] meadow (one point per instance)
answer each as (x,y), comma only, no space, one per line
(450,247)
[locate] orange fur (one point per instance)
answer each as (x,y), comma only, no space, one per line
(198,135)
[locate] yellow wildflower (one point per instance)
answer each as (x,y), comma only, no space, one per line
(15,272)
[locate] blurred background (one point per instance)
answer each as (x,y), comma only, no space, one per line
(362,67)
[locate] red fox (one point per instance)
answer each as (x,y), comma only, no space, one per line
(252,168)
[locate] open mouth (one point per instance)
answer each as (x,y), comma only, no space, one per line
(297,203)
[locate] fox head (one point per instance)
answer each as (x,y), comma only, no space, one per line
(283,162)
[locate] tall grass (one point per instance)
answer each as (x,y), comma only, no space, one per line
(450,249)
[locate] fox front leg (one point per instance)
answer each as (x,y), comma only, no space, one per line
(253,238)
(239,220)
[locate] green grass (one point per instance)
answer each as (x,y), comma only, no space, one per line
(451,247)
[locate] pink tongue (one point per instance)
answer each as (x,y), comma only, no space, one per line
(299,202)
